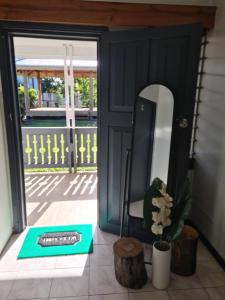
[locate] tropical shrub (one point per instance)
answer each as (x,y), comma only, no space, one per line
(32,97)
(81,85)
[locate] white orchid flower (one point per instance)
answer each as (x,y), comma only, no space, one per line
(166,222)
(157,229)
(167,212)
(162,202)
(164,216)
(155,217)
(155,202)
(163,188)
(158,202)
(161,217)
(168,198)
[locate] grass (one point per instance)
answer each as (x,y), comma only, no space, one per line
(47,170)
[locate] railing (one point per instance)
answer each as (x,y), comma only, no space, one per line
(59,147)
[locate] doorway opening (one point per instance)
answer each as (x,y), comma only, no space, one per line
(57,94)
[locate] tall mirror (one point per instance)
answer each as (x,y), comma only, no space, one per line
(151,139)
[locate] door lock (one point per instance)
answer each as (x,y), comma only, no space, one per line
(183,122)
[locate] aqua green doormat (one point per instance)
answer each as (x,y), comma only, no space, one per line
(57,240)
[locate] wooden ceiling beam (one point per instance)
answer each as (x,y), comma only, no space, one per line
(54,73)
(105,13)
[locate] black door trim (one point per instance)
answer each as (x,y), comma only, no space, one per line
(8,30)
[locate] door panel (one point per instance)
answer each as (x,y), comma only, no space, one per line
(123,86)
(120,137)
(169,66)
(129,61)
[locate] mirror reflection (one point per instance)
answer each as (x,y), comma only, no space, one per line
(151,139)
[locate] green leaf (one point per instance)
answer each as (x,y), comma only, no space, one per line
(181,211)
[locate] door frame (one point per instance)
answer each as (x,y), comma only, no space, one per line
(9,30)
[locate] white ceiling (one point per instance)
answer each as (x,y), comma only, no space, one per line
(36,48)
(55,64)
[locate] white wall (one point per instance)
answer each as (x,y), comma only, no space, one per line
(209,178)
(5,196)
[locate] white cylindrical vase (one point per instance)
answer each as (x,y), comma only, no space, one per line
(161,259)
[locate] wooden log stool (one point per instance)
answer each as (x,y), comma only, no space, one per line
(129,263)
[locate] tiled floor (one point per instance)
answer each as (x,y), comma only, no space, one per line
(91,277)
(88,277)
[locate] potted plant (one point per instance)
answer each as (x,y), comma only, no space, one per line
(165,220)
(184,252)
(184,237)
(157,211)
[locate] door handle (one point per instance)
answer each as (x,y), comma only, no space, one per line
(183,122)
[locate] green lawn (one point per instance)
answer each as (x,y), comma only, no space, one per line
(79,169)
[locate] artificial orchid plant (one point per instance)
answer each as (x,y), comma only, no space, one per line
(165,217)
(161,217)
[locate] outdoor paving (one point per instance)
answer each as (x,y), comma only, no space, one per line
(61,198)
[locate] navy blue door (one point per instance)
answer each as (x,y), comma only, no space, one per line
(129,61)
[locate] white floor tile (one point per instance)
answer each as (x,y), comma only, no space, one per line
(103,281)
(158,295)
(70,282)
(16,240)
(72,261)
(216,293)
(35,274)
(210,274)
(5,287)
(30,288)
(202,253)
(110,297)
(198,294)
(102,256)
(71,298)
(184,282)
(9,261)
(38,263)
(8,276)
(104,238)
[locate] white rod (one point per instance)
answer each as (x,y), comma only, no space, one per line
(91,94)
(66,88)
(72,86)
(26,93)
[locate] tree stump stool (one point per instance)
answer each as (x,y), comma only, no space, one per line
(129,263)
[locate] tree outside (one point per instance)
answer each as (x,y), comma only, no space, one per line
(56,86)
(21,97)
(82,85)
(52,85)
